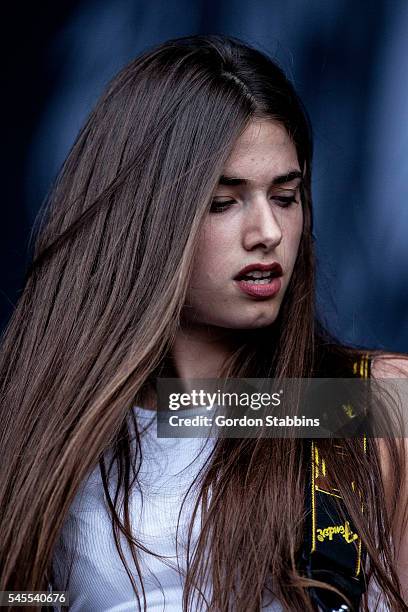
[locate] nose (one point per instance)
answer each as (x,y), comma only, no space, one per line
(262,227)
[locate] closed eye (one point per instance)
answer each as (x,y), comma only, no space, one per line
(217,207)
(282,201)
(285,201)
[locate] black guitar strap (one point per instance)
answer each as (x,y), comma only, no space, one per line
(333,551)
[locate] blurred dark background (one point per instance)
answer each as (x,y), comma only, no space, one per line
(348,61)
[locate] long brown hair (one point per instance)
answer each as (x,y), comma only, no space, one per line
(89,334)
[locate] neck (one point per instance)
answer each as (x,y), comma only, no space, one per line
(200,351)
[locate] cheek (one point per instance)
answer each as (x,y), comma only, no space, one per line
(213,252)
(203,256)
(296,238)
(299,231)
(292,232)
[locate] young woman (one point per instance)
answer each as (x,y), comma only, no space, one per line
(194,165)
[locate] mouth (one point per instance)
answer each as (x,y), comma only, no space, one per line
(260,281)
(259,274)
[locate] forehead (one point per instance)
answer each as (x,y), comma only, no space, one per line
(264,147)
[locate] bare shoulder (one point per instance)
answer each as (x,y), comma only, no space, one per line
(395,365)
(389,365)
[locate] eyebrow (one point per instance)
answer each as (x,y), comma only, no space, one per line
(291,175)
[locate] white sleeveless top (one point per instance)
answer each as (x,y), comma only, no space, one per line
(98,578)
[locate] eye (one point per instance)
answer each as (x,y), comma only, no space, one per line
(218,207)
(285,201)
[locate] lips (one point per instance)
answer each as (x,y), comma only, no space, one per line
(274,268)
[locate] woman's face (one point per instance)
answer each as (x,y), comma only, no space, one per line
(256,218)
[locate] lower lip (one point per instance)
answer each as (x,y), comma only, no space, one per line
(261,290)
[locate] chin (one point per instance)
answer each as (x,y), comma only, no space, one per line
(259,317)
(248,322)
(256,316)
(258,323)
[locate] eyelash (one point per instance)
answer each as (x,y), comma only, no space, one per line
(222,206)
